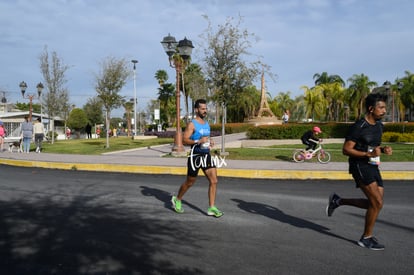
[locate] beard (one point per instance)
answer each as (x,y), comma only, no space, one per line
(380,117)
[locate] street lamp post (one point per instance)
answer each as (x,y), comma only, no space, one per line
(388,91)
(135,98)
(23,87)
(178,55)
(346,107)
(4,101)
(400,85)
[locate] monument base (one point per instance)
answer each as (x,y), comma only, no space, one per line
(257,121)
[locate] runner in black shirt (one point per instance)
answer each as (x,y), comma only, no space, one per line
(362,146)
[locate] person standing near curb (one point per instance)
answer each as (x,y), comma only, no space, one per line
(362,146)
(27,133)
(197,134)
(39,133)
(285,117)
(2,135)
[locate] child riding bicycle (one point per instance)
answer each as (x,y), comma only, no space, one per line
(310,138)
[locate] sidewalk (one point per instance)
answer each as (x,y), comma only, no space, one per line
(153,161)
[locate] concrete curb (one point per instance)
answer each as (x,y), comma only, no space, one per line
(222,172)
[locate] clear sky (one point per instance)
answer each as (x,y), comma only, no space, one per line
(298,38)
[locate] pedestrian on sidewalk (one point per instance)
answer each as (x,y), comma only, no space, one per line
(2,135)
(88,130)
(39,133)
(197,134)
(26,133)
(285,117)
(362,146)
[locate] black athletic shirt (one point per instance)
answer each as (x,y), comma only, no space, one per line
(364,135)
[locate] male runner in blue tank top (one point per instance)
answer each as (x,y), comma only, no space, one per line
(197,135)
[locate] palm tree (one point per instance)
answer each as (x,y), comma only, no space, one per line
(334,99)
(360,86)
(324,78)
(161,76)
(129,107)
(298,110)
(166,96)
(284,102)
(247,102)
(406,93)
(313,101)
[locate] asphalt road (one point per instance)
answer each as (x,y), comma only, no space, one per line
(72,222)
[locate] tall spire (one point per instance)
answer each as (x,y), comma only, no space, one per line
(264,106)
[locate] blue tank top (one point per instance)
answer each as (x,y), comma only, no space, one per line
(200,130)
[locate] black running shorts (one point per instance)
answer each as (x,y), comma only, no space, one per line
(365,173)
(199,161)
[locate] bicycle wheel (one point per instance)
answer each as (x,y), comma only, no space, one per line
(324,157)
(298,156)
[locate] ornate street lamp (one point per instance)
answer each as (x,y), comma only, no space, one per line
(4,102)
(23,87)
(178,56)
(135,99)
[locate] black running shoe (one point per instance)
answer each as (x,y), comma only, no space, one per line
(332,204)
(370,243)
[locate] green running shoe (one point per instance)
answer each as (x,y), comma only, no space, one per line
(213,211)
(176,204)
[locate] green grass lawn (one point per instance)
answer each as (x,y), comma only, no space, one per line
(401,152)
(98,146)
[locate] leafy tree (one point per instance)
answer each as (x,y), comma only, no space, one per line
(26,106)
(115,122)
(195,85)
(56,99)
(109,82)
(225,67)
(93,110)
(77,120)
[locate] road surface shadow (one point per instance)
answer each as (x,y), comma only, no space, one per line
(79,236)
(399,226)
(165,197)
(161,195)
(276,214)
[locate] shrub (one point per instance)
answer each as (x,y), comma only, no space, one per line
(296,130)
(397,137)
(49,135)
(231,128)
(401,131)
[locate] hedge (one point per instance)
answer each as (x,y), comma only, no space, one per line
(403,132)
(329,130)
